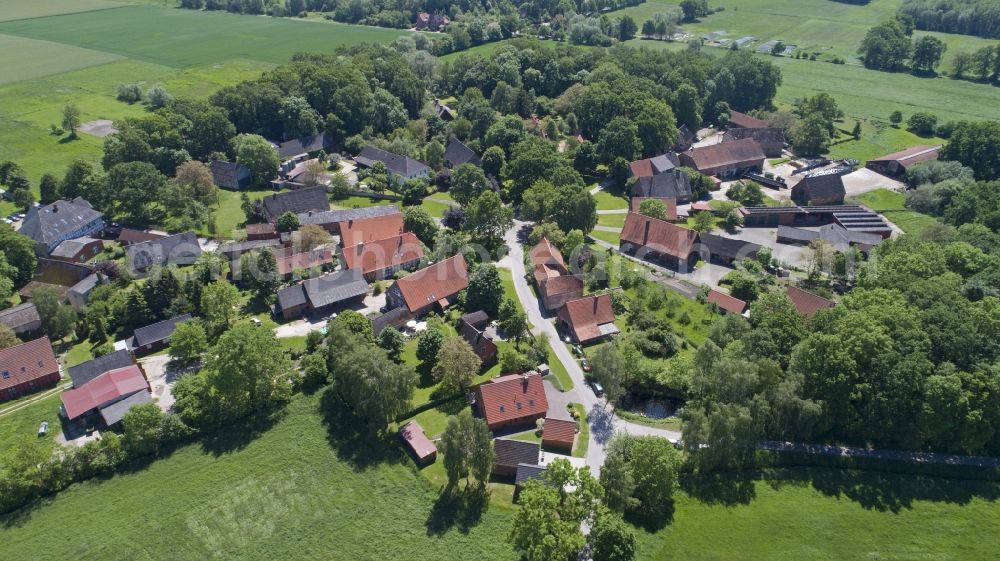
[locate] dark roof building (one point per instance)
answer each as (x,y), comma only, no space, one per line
(129,236)
(896,164)
(156,336)
(305,145)
(742,120)
(87,371)
(726,159)
(114,412)
(78,250)
(855,218)
(727,251)
(331,219)
(674,184)
(51,224)
(685,138)
(771,139)
(436,285)
(512,400)
(322,293)
(445,112)
(230,175)
(21,319)
(57,275)
(650,238)
(309,199)
(653,166)
(232,250)
(820,189)
(806,302)
(838,237)
(457,154)
(481,343)
(589,319)
(511,453)
(79,293)
(178,249)
(27,368)
(528,472)
(403,166)
(393,318)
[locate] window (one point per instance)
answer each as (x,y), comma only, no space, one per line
(501,407)
(40,365)
(23,370)
(531,402)
(6,374)
(518,405)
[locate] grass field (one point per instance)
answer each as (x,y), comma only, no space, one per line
(608,201)
(31,58)
(890,204)
(612,238)
(21,9)
(23,423)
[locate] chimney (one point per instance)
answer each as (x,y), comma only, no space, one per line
(645,233)
(524,381)
(55,207)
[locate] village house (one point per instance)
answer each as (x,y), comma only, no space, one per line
(555,285)
(310,199)
(430,287)
(57,275)
(820,189)
(27,368)
(230,175)
(22,319)
(471,328)
(589,319)
(322,294)
(457,154)
(380,259)
(559,435)
(421,447)
(79,294)
(653,166)
(78,250)
(726,160)
(178,249)
(403,167)
(807,303)
(129,236)
(895,164)
(314,260)
(309,145)
(512,453)
(50,225)
(650,238)
(156,336)
(354,231)
(330,220)
(87,371)
(110,395)
(513,400)
(674,184)
(771,139)
(726,303)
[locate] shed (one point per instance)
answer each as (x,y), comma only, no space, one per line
(416,441)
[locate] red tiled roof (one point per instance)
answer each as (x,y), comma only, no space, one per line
(559,431)
(701,206)
(806,302)
(364,230)
(414,436)
(913,155)
(437,282)
(726,302)
(586,315)
(512,397)
(562,285)
(659,235)
(26,362)
(547,254)
(107,387)
(384,254)
(746,121)
(670,202)
(642,168)
(130,236)
(306,260)
(726,154)
(258,229)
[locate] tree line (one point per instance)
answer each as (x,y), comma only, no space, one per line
(968,17)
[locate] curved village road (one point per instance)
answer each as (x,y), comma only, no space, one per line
(603,424)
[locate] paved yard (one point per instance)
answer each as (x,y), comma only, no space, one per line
(162,375)
(793,255)
(864,180)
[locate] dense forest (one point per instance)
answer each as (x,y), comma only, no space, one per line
(968,17)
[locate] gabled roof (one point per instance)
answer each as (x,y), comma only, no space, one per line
(659,235)
(762,135)
(178,248)
(669,202)
(673,184)
(130,236)
(334,288)
(477,319)
(363,230)
(233,250)
(394,317)
(291,297)
(26,362)
(87,371)
(260,229)
(383,254)
(590,317)
(21,317)
(564,284)
(746,121)
(911,156)
(57,221)
(159,331)
(335,216)
(806,302)
(103,390)
(544,253)
(437,282)
(513,397)
(306,260)
(296,202)
(400,165)
(654,166)
(729,248)
(527,472)
(481,344)
(820,186)
(303,145)
(723,154)
(116,411)
(413,435)
(228,174)
(457,153)
(559,431)
(511,453)
(69,249)
(726,302)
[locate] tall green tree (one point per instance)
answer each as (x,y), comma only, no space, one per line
(457,364)
(467,446)
(256,153)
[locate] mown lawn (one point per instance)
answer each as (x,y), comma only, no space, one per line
(608,201)
(611,220)
(229,212)
(613,238)
(298,491)
(22,424)
(890,204)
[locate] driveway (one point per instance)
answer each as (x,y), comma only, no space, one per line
(864,180)
(162,375)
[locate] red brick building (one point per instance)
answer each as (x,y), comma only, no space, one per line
(27,368)
(512,400)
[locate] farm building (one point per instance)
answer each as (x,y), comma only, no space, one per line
(110,395)
(771,139)
(512,401)
(233,250)
(289,262)
(22,319)
(726,251)
(79,293)
(820,189)
(154,337)
(589,319)
(129,236)
(322,294)
(674,184)
(838,237)
(265,231)
(50,225)
(230,175)
(417,443)
(457,154)
(806,302)
(87,371)
(471,328)
(739,120)
(354,231)
(330,220)
(525,473)
(650,238)
(685,138)
(559,434)
(854,218)
(403,167)
(726,303)
(727,160)
(78,250)
(382,258)
(310,199)
(178,249)
(671,203)
(512,453)
(896,164)
(653,166)
(27,368)
(298,148)
(393,318)
(433,286)
(57,275)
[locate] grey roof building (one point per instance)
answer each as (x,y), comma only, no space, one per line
(157,334)
(116,411)
(232,250)
(296,202)
(79,293)
(820,189)
(87,371)
(403,166)
(22,318)
(178,249)
(230,175)
(330,217)
(457,154)
(304,145)
(673,184)
(51,224)
(322,292)
(393,318)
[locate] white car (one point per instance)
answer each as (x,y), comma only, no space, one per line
(43,429)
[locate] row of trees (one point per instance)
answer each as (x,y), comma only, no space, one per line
(969,17)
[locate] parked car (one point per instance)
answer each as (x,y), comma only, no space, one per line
(255,322)
(598,389)
(577,350)
(585,364)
